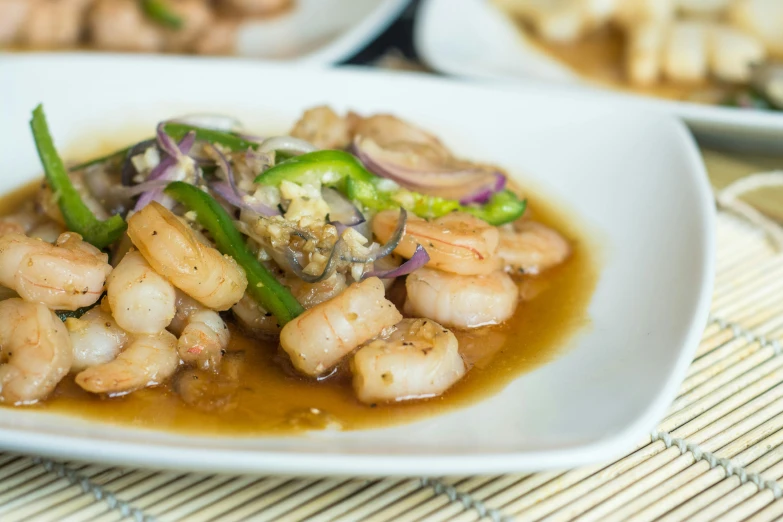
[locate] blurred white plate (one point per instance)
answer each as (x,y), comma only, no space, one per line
(318,31)
(474,39)
(632,178)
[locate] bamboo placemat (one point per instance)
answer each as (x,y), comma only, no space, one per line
(717,455)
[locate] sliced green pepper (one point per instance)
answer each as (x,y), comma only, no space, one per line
(160,12)
(78,218)
(262,285)
(231,141)
(330,167)
(343,171)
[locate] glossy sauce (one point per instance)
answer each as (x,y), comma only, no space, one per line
(258,393)
(599,57)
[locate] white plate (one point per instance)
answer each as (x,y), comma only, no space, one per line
(474,39)
(319,31)
(633,178)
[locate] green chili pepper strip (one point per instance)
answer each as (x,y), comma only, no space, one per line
(330,167)
(262,285)
(160,12)
(231,141)
(78,217)
(343,171)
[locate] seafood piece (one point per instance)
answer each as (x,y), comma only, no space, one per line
(120,25)
(53,23)
(322,127)
(461,301)
(414,359)
(174,251)
(457,242)
(36,350)
(324,334)
(96,338)
(203,335)
(65,276)
(258,321)
(531,248)
(141,300)
(196,17)
(254,7)
(147,361)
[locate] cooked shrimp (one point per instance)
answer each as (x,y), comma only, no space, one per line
(255,7)
(96,338)
(258,321)
(21,222)
(147,361)
(196,16)
(255,319)
(54,23)
(457,242)
(36,349)
(120,25)
(322,127)
(203,335)
(174,251)
(461,301)
(47,230)
(65,276)
(416,358)
(141,300)
(324,334)
(532,248)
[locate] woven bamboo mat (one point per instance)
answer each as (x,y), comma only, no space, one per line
(717,455)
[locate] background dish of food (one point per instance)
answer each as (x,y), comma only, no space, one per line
(314,31)
(632,355)
(475,39)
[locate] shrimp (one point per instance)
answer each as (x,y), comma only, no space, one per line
(141,300)
(322,127)
(532,248)
(174,251)
(324,334)
(37,350)
(120,25)
(65,276)
(96,338)
(457,242)
(21,222)
(203,335)
(262,323)
(417,358)
(461,301)
(147,361)
(47,230)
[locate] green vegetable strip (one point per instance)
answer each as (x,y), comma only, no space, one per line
(160,12)
(177,131)
(317,165)
(264,288)
(78,218)
(343,171)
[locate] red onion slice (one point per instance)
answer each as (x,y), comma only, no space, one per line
(225,191)
(419,258)
(287,144)
(164,169)
(483,194)
(219,122)
(458,182)
(341,210)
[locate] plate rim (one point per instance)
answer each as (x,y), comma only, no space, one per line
(695,114)
(613,445)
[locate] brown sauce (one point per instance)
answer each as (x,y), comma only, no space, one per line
(599,58)
(259,394)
